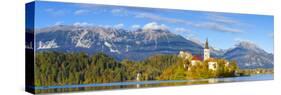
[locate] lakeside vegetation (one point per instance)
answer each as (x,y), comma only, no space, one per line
(54,68)
(247,72)
(199,71)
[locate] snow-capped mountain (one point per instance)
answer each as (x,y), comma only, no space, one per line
(47,44)
(132,44)
(248,55)
(140,43)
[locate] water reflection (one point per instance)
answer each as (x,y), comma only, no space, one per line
(143,84)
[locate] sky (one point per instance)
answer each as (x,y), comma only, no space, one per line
(223,30)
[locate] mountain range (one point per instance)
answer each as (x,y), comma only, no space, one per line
(138,44)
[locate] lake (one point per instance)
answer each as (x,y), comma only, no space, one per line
(143,84)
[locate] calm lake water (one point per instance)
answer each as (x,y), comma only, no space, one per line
(142,84)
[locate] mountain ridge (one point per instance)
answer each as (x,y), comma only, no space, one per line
(139,44)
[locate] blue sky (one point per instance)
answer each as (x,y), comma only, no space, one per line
(223,30)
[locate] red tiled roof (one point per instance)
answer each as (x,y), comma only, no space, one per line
(197,57)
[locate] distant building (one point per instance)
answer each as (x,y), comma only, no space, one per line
(227,63)
(185,55)
(138,77)
(212,65)
(206,51)
(195,60)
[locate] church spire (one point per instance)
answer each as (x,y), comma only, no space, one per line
(206,44)
(206,50)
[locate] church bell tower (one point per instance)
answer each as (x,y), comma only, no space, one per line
(206,51)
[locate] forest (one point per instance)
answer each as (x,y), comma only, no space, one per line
(56,68)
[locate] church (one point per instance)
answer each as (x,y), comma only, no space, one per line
(206,51)
(212,65)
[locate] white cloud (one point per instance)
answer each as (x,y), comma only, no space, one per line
(154,26)
(155,17)
(82,24)
(245,43)
(120,25)
(240,40)
(181,30)
(116,10)
(205,25)
(81,12)
(184,32)
(49,10)
(55,12)
(216,17)
(136,26)
(58,23)
(120,12)
(105,26)
(217,27)
(216,22)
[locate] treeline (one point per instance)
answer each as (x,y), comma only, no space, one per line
(54,68)
(256,71)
